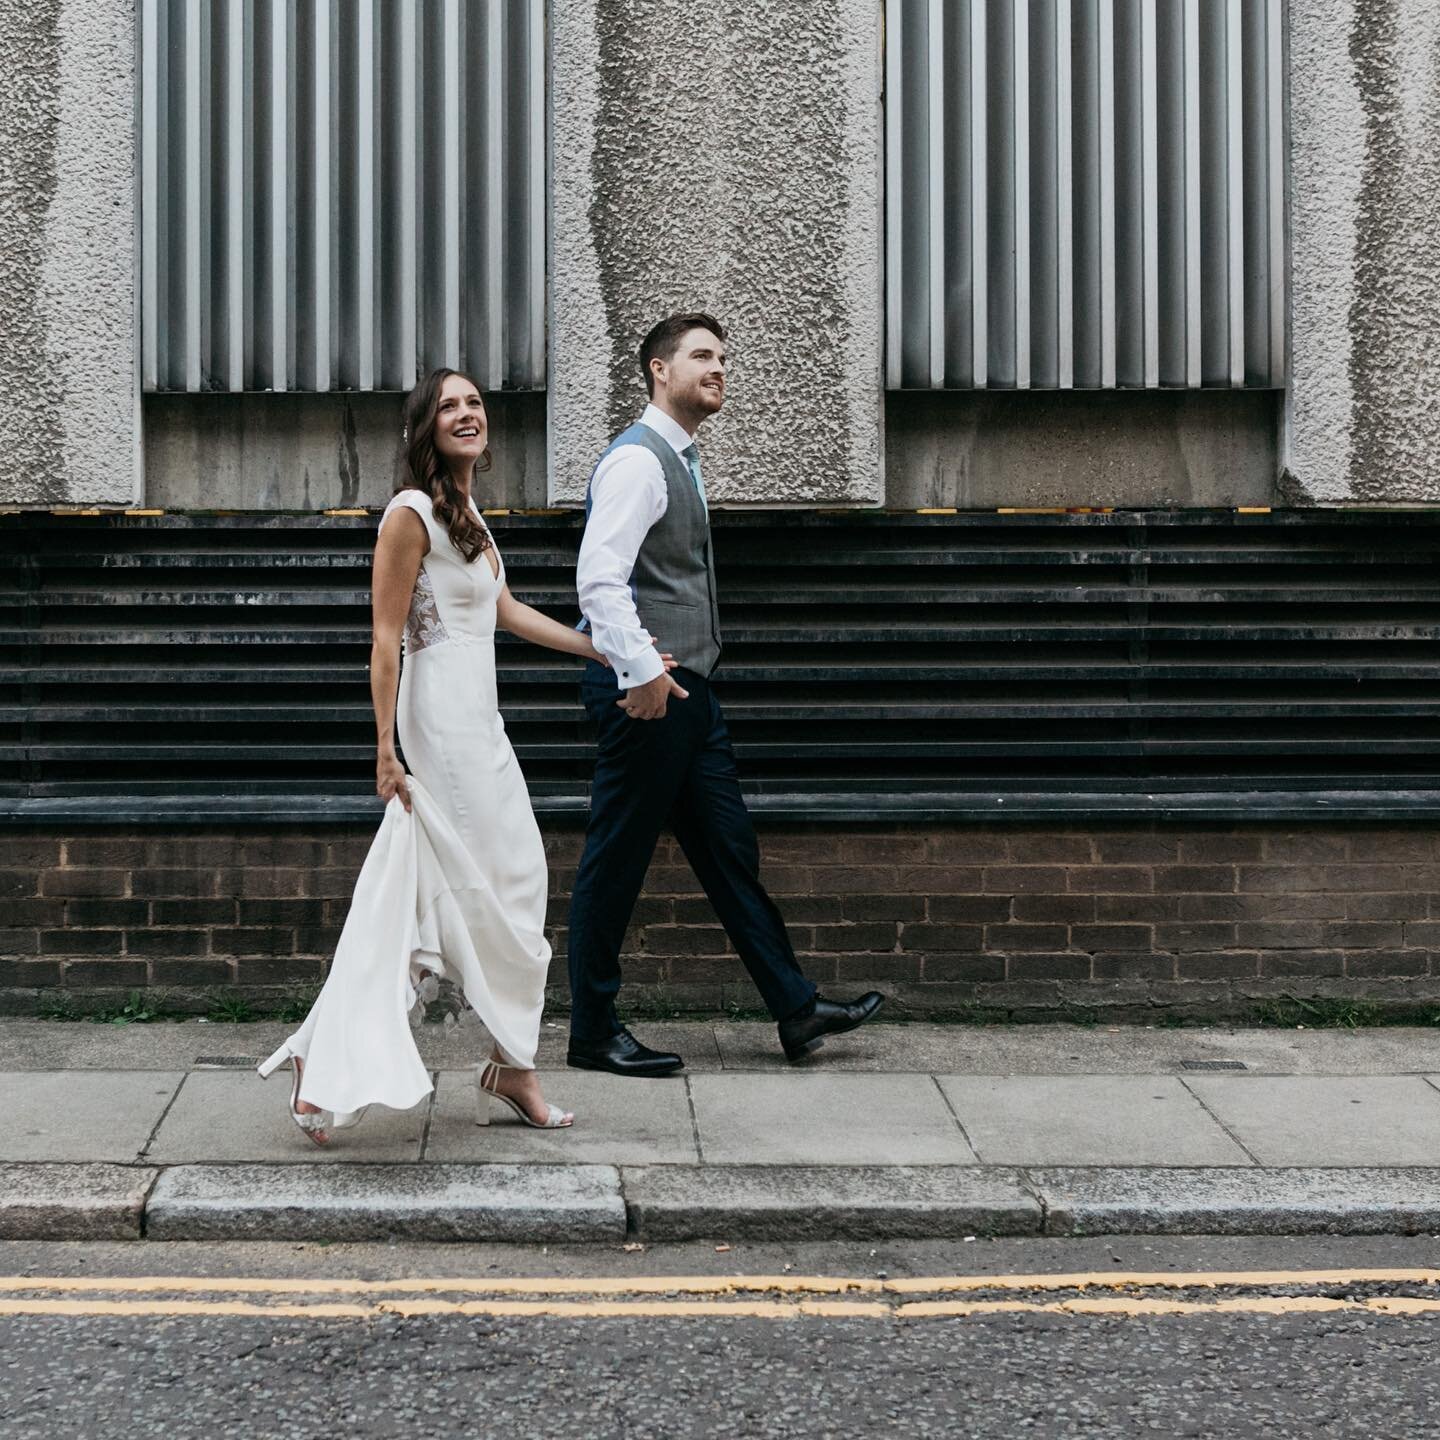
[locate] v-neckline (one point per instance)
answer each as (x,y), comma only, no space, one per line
(496,570)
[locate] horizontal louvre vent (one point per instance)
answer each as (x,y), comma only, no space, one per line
(339,194)
(1085,193)
(874,663)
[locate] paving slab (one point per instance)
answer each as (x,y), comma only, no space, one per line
(917,1046)
(770,1202)
(228,1116)
(81,1115)
(825,1119)
(876,1048)
(550,1204)
(73,1202)
(617,1122)
(1087,1120)
(1328,1120)
(1299,1201)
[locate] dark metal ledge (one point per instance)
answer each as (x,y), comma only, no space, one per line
(991,807)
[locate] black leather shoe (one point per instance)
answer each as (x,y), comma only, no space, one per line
(621,1054)
(802,1034)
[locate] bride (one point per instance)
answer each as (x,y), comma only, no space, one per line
(456,880)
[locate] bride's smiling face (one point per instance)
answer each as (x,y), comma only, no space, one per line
(461,428)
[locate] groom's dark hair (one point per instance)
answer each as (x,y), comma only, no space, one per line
(664,340)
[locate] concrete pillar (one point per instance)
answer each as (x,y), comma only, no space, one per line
(722,155)
(1363,421)
(68,401)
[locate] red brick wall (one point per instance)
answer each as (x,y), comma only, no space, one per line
(1121,921)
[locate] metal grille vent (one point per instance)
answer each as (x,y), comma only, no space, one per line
(1085,193)
(340,193)
(1197,664)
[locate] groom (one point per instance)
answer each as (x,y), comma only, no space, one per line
(664,757)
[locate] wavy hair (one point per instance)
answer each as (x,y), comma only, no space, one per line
(424,469)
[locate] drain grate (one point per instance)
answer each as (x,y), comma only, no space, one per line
(225,1062)
(1212,1065)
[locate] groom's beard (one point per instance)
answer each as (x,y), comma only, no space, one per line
(697,403)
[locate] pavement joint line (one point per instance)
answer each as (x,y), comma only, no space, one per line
(694,1121)
(1429,1080)
(429,1115)
(1036,1191)
(960,1124)
(155,1129)
(1200,1101)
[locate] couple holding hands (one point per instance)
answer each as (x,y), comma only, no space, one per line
(455,883)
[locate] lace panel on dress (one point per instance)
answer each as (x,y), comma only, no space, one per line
(423,626)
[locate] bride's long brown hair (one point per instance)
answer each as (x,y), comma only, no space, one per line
(425,470)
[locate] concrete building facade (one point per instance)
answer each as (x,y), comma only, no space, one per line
(733,156)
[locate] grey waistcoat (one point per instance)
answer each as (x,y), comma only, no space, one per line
(673,581)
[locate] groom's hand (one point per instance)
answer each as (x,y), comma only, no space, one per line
(648,701)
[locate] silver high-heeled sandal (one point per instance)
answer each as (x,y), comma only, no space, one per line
(555,1118)
(314,1127)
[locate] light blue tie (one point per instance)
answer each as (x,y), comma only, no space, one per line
(692,460)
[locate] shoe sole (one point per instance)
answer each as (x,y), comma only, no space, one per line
(811,1046)
(658,1073)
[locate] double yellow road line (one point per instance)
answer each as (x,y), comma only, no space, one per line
(758,1297)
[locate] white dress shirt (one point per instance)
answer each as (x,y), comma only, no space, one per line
(627,496)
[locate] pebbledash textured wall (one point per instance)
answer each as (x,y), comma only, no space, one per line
(721,155)
(1364,424)
(1125,923)
(68,402)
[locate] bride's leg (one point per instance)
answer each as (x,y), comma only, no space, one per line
(521,1086)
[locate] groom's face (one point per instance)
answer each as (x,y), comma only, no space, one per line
(695,378)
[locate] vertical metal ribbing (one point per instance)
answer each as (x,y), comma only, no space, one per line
(894,191)
(1021,125)
(1064,195)
(1235,206)
(1150,190)
(1193,297)
(450,187)
(407,237)
(320,159)
(194,192)
(237,204)
(1106,68)
(495,195)
(936,137)
(536,140)
(150,194)
(279,195)
(979,207)
(365,194)
(1126,156)
(1275,166)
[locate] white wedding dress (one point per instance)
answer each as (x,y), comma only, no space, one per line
(458,886)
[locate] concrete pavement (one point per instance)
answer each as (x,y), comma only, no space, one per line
(898,1131)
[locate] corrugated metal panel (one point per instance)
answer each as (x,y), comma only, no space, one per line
(1085,193)
(878,665)
(339,194)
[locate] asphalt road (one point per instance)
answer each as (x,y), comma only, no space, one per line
(602,1374)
